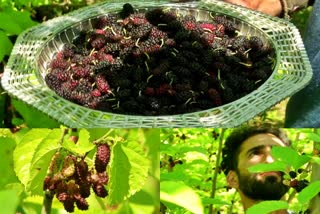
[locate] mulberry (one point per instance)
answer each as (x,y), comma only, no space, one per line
(102,157)
(100,190)
(81,203)
(126,11)
(98,43)
(59,63)
(84,188)
(102,84)
(230,26)
(142,31)
(68,166)
(184,96)
(215,96)
(68,204)
(82,169)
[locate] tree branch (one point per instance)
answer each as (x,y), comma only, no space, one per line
(216,170)
(47,203)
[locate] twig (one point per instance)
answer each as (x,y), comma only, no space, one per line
(47,203)
(216,170)
(104,136)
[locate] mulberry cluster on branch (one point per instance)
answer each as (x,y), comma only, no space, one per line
(70,179)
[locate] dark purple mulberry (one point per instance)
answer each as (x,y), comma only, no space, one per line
(100,190)
(84,189)
(68,204)
(126,11)
(102,157)
(82,169)
(81,203)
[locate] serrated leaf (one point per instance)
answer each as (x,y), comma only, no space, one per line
(266,207)
(267,167)
(140,165)
(128,172)
(289,156)
(82,146)
(119,174)
(5,45)
(24,152)
(41,161)
(182,195)
(9,201)
(309,192)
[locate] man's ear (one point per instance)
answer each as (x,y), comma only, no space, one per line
(232,179)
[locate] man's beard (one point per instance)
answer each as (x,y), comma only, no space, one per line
(269,188)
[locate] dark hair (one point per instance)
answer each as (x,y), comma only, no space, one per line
(231,149)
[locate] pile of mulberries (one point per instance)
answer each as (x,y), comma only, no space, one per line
(159,62)
(70,179)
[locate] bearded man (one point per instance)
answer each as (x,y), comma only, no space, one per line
(248,146)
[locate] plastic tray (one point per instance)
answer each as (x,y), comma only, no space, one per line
(24,74)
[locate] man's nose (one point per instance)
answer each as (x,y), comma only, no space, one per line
(269,158)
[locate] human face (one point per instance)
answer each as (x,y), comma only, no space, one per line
(259,186)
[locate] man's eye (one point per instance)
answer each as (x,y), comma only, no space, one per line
(255,152)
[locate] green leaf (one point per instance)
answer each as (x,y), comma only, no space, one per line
(96,133)
(5,45)
(29,114)
(41,161)
(267,167)
(9,201)
(214,201)
(24,152)
(309,192)
(128,173)
(289,156)
(182,195)
(313,136)
(316,160)
(142,202)
(82,146)
(152,137)
(7,146)
(266,207)
(9,26)
(16,21)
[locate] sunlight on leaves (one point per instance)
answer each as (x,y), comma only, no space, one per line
(266,207)
(180,194)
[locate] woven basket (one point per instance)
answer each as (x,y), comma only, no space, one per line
(24,74)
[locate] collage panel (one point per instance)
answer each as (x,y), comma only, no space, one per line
(79,171)
(249,169)
(126,107)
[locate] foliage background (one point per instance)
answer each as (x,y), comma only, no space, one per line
(191,158)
